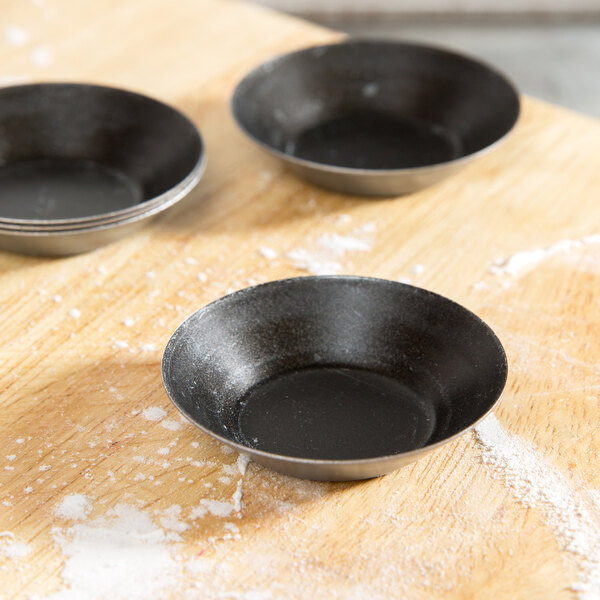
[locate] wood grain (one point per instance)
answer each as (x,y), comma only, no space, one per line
(73,389)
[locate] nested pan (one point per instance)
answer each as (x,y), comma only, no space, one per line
(77,155)
(375,117)
(334,378)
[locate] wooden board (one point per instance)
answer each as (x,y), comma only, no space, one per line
(510,513)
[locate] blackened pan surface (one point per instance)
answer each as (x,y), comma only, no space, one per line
(375,117)
(334,377)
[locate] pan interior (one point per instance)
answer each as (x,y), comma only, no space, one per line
(334,413)
(371,140)
(58,188)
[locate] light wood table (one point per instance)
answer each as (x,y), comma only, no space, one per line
(510,513)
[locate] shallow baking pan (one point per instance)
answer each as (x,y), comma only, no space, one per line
(375,117)
(78,157)
(334,378)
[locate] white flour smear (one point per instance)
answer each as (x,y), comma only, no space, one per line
(121,556)
(339,244)
(315,263)
(11,548)
(573,516)
(330,247)
(522,262)
(73,506)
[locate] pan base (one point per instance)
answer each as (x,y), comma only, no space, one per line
(375,141)
(48,188)
(334,413)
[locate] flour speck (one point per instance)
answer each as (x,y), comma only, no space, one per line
(41,56)
(15,35)
(74,506)
(154,413)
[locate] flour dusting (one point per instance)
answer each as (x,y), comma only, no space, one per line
(268,253)
(171,425)
(120,556)
(171,519)
(154,413)
(571,515)
(41,56)
(237,497)
(73,506)
(324,258)
(313,262)
(340,244)
(11,548)
(214,507)
(242,463)
(521,262)
(15,35)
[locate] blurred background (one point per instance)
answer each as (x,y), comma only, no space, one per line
(549,48)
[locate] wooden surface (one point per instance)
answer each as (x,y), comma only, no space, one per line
(464,523)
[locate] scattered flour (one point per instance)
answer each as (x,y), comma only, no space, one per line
(219,508)
(41,56)
(57,298)
(214,507)
(417,270)
(15,35)
(163,451)
(74,313)
(522,262)
(324,260)
(120,345)
(237,497)
(171,425)
(268,253)
(312,262)
(571,515)
(148,347)
(74,506)
(340,244)
(11,548)
(154,413)
(121,556)
(202,277)
(242,463)
(171,519)
(128,322)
